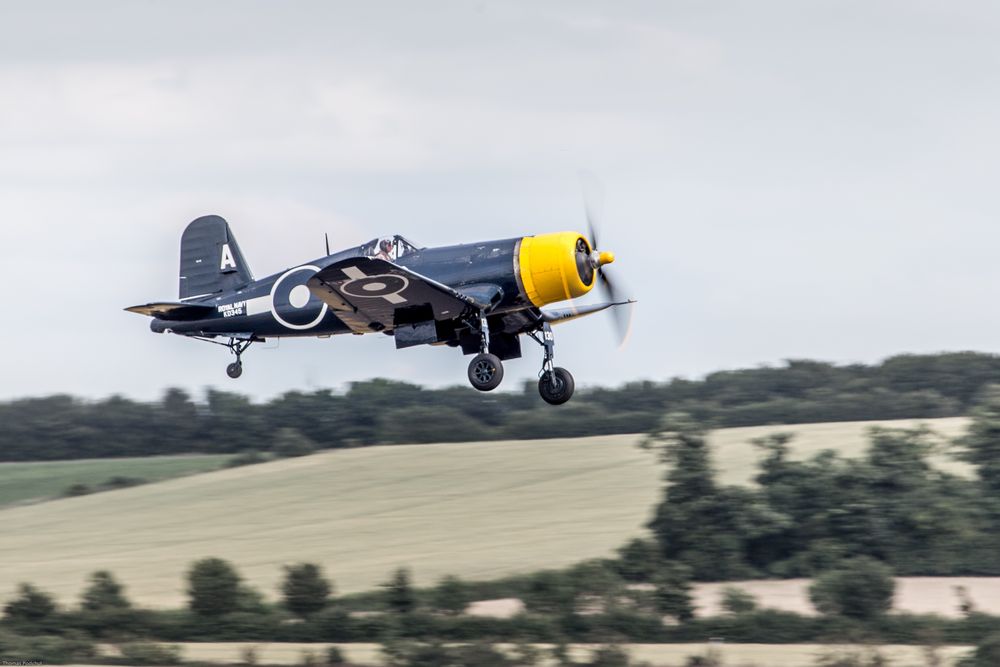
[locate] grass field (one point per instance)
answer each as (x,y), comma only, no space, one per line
(734,655)
(476,510)
(32,481)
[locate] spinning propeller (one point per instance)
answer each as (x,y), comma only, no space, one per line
(593,202)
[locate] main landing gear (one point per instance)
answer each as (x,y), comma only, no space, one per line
(555,384)
(485,369)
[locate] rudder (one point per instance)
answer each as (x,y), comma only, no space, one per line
(211,260)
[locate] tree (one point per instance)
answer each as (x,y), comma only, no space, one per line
(981,445)
(104,593)
(861,588)
(450,596)
(213,587)
(305,589)
(672,591)
(30,606)
(698,523)
(738,601)
(399,595)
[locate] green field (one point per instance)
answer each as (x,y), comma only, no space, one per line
(38,480)
(477,510)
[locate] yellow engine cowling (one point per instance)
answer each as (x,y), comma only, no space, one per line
(557,267)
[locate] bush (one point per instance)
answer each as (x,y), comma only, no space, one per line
(334,656)
(673,591)
(16,648)
(122,482)
(862,588)
(639,560)
(450,596)
(77,490)
(250,655)
(550,592)
(738,601)
(853,658)
(147,653)
(31,606)
(289,442)
(609,656)
(213,587)
(251,457)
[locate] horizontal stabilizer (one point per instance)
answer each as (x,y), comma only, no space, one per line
(177,312)
(567,314)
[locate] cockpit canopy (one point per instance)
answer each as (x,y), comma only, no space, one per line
(389,248)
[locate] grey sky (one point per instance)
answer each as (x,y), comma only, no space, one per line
(783,179)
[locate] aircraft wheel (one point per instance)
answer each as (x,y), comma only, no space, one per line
(234,370)
(485,372)
(559,391)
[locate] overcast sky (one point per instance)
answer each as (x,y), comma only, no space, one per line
(783,179)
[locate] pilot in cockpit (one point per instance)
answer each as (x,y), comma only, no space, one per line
(386,249)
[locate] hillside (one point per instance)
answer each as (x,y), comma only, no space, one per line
(477,510)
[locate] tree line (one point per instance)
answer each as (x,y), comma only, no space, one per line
(587,603)
(385,411)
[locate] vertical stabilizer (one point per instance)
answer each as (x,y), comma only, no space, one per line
(211,260)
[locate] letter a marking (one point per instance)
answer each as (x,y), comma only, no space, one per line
(227,258)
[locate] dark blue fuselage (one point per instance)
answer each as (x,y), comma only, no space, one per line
(276,306)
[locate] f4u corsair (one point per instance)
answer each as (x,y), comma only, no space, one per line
(479,297)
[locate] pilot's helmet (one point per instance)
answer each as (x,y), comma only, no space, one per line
(386,244)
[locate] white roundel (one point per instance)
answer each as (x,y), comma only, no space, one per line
(297,297)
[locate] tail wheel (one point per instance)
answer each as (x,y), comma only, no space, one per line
(556,387)
(485,372)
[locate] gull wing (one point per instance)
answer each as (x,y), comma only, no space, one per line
(376,295)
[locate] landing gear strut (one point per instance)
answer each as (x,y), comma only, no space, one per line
(555,384)
(485,369)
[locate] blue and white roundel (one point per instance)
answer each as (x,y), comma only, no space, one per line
(292,304)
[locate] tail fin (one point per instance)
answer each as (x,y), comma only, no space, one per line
(211,260)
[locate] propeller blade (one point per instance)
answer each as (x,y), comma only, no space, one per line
(593,204)
(621,317)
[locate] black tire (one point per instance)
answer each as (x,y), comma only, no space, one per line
(234,370)
(485,372)
(558,392)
